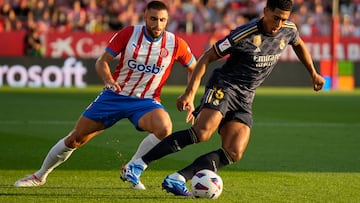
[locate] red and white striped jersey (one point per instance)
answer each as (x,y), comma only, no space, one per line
(145,64)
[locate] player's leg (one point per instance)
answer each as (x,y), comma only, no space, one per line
(83,131)
(208,117)
(158,123)
(203,128)
(205,125)
(235,137)
(85,128)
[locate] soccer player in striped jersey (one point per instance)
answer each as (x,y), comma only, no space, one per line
(146,56)
(253,49)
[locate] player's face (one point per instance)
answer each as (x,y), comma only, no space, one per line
(274,20)
(155,21)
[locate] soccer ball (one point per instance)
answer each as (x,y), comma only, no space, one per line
(206,184)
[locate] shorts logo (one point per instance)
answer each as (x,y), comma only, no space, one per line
(214,96)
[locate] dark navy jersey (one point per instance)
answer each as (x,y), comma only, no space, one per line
(252,54)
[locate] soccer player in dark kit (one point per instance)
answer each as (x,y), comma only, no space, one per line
(253,49)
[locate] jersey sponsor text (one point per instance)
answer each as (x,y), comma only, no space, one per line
(154,69)
(266,60)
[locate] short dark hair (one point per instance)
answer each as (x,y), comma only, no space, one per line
(158,5)
(285,5)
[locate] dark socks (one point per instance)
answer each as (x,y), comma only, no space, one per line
(213,161)
(173,143)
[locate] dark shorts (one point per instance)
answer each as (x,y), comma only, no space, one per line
(226,100)
(110,107)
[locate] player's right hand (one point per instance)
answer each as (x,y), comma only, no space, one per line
(114,86)
(318,82)
(185,102)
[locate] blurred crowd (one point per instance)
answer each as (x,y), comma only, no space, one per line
(313,17)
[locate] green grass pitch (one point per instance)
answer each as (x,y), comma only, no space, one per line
(305,147)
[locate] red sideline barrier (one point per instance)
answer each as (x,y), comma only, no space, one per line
(86,45)
(12,43)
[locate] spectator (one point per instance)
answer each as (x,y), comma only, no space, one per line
(22,10)
(32,42)
(77,17)
(12,22)
(96,24)
(346,26)
(38,10)
(308,28)
(175,11)
(59,20)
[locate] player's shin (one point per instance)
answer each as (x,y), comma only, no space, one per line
(58,154)
(213,161)
(173,143)
(148,142)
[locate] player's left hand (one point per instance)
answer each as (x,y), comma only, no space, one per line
(318,82)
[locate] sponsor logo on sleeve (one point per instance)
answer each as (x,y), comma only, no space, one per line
(224,45)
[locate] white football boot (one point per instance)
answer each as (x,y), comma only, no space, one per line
(29,181)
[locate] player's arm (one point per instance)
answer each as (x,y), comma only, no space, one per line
(103,70)
(186,57)
(190,108)
(186,100)
(304,56)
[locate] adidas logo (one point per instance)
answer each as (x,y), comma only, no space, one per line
(257,49)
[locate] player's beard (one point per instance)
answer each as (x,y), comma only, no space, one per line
(153,32)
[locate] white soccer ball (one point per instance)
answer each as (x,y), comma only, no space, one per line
(206,184)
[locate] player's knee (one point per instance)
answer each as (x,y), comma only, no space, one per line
(203,137)
(73,142)
(235,154)
(203,134)
(164,131)
(161,134)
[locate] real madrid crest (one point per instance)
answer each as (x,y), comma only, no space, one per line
(282,44)
(257,40)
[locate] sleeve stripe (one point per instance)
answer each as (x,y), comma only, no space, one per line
(244,34)
(289,24)
(253,27)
